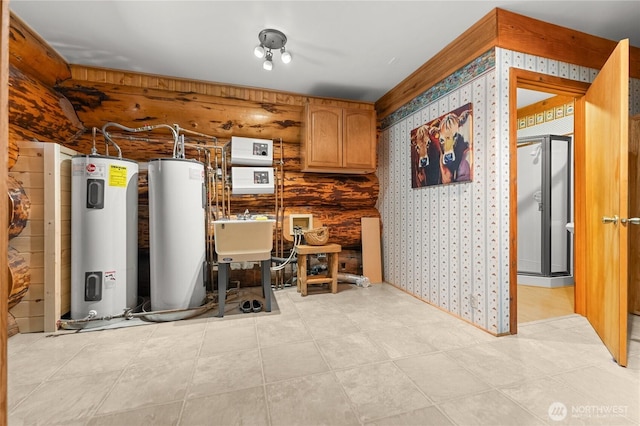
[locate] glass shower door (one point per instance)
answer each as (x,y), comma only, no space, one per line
(530,206)
(544,201)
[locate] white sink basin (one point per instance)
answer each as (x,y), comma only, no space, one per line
(238,240)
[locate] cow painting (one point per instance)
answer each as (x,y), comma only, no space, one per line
(441,150)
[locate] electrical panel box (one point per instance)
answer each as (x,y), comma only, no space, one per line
(252,180)
(304,221)
(251,151)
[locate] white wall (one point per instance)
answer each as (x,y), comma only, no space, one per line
(449,245)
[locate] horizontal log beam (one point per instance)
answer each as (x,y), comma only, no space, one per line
(35,57)
(99,103)
(39,110)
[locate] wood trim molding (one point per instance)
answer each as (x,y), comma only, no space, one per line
(532,36)
(519,78)
(479,38)
(175,84)
(507,30)
(4,214)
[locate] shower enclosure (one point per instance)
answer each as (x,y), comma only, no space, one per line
(544,209)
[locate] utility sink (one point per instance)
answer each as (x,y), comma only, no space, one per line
(240,240)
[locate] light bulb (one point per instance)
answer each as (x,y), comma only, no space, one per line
(267,65)
(286,56)
(259,51)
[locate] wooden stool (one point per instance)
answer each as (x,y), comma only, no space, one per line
(332,251)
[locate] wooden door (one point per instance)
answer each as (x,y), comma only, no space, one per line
(606,108)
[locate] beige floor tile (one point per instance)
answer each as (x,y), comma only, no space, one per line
(549,356)
(22,341)
(242,407)
(63,401)
(371,319)
(166,349)
(446,335)
(372,338)
(610,386)
(281,329)
(140,332)
(157,415)
(329,325)
(191,328)
(488,408)
(39,362)
(400,342)
(226,372)
(99,358)
(291,360)
(441,378)
(421,417)
(535,328)
(231,336)
(311,400)
(315,307)
(148,383)
(350,350)
(19,393)
(493,366)
(380,390)
(555,402)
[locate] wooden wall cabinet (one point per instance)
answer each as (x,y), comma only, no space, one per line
(339,140)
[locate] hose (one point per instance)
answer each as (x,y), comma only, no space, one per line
(128,314)
(297,238)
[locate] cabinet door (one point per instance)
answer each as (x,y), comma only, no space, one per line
(359,141)
(325,147)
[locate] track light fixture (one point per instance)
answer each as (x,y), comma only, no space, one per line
(271,40)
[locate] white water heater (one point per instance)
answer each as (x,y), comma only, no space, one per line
(104,235)
(177,254)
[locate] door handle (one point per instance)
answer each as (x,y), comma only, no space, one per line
(606,219)
(631,220)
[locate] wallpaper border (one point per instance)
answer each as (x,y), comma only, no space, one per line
(467,73)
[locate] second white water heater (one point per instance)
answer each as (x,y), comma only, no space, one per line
(177,201)
(104,235)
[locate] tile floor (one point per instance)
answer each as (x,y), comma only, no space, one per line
(364,356)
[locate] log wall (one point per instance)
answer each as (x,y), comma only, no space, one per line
(134,100)
(52,101)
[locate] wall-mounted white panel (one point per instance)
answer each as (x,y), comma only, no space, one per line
(252,180)
(251,151)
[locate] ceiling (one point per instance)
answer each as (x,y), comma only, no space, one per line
(356,50)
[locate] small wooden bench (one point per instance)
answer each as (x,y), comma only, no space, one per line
(332,251)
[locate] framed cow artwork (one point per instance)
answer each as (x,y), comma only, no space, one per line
(442,149)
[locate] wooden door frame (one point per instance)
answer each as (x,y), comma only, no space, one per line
(524,79)
(4,213)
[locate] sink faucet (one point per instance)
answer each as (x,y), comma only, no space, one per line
(246,215)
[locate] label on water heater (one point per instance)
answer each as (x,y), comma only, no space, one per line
(109,279)
(117,175)
(89,169)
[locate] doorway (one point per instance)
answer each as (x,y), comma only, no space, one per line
(545,205)
(525,297)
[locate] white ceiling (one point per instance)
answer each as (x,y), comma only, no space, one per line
(355,50)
